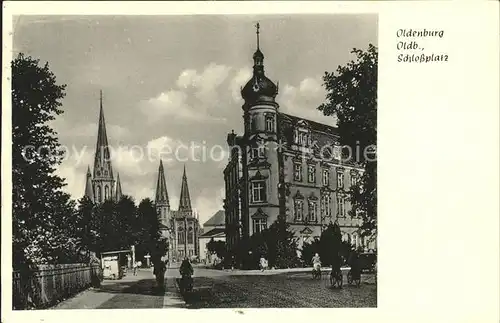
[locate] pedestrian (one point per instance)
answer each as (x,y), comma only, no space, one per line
(135,268)
(159,272)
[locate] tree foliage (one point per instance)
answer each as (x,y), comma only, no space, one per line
(277,244)
(40,208)
(309,249)
(352,99)
(217,247)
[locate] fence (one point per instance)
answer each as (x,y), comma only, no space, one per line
(50,284)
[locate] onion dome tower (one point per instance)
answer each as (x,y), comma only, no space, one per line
(259,89)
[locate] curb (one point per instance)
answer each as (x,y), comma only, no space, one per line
(173,298)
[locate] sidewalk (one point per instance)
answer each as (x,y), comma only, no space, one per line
(173,297)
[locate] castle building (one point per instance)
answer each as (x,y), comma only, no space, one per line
(101,184)
(285,165)
(181,228)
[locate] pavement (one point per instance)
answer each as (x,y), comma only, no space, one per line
(288,288)
(129,292)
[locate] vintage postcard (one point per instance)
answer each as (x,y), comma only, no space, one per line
(243,156)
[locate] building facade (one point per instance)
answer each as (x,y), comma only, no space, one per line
(181,228)
(101,184)
(214,228)
(285,165)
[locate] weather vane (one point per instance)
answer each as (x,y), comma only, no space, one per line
(257,26)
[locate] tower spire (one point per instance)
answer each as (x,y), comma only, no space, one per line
(89,192)
(185,200)
(103,179)
(257,26)
(161,187)
(102,162)
(118,194)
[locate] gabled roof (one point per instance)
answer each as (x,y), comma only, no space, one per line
(218,219)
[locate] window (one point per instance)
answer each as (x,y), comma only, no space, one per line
(258,191)
(299,210)
(99,197)
(340,180)
(191,252)
(181,237)
(354,180)
(181,253)
(313,211)
(106,192)
(341,203)
(311,174)
(336,152)
(259,151)
(326,177)
(297,172)
(190,235)
(270,123)
(301,137)
(259,225)
(326,208)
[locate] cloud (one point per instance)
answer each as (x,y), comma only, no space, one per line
(303,100)
(209,202)
(196,97)
(240,79)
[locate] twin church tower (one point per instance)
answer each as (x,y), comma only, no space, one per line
(181,228)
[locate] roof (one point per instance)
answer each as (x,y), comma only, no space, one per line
(218,219)
(315,126)
(214,233)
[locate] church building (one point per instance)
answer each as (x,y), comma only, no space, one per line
(285,165)
(101,184)
(181,228)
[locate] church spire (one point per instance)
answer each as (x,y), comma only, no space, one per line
(89,192)
(102,161)
(118,194)
(185,200)
(103,181)
(161,188)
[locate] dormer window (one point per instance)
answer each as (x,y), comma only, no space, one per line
(301,138)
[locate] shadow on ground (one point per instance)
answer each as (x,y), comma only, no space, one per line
(139,287)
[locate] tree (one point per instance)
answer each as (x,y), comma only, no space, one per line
(282,244)
(352,99)
(149,234)
(309,249)
(126,218)
(330,244)
(217,247)
(39,204)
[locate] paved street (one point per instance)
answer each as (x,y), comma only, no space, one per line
(226,289)
(294,289)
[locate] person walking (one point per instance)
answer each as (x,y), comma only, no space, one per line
(159,272)
(135,268)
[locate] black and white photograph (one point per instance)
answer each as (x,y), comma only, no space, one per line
(195,161)
(250,161)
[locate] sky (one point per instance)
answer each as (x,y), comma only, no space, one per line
(172,82)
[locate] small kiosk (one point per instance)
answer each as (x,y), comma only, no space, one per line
(113,262)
